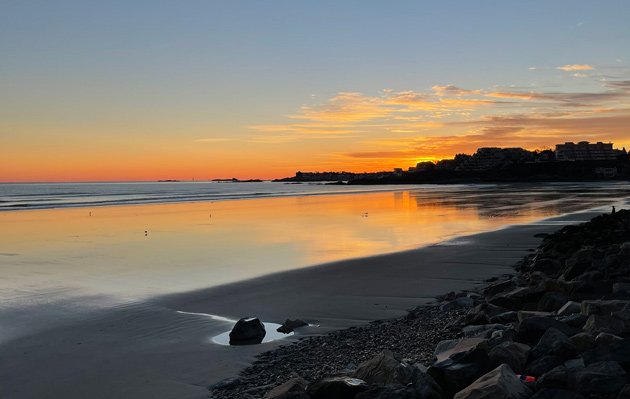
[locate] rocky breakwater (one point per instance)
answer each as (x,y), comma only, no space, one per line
(559,328)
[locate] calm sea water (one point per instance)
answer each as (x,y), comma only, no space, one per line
(15,196)
(67,249)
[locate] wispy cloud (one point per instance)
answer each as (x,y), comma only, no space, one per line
(576,67)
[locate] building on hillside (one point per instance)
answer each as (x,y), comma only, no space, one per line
(585,151)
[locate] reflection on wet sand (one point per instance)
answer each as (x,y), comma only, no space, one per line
(132,252)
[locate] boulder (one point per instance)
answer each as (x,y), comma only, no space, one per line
(532,328)
(458,303)
(526,314)
(443,349)
(606,339)
(603,307)
(554,378)
(553,343)
(295,388)
(582,342)
(482,331)
(548,266)
(517,298)
(608,324)
(498,287)
(467,350)
(500,383)
(384,369)
(576,320)
(601,378)
(247,331)
(513,354)
(505,318)
(621,289)
(453,376)
(390,392)
(618,351)
(569,308)
(551,393)
(290,325)
(542,365)
(336,388)
(625,392)
(552,301)
(577,264)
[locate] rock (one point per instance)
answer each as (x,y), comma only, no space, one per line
(625,392)
(542,365)
(561,286)
(569,308)
(618,351)
(578,263)
(598,378)
(532,328)
(505,318)
(458,303)
(247,331)
(390,392)
(290,325)
(336,388)
(548,266)
(552,301)
(582,341)
(621,288)
(500,383)
(607,339)
(553,343)
(602,307)
(591,290)
(453,376)
(501,336)
(547,393)
(482,331)
(295,388)
(554,378)
(443,348)
(466,351)
(496,288)
(576,320)
(517,298)
(384,369)
(526,314)
(608,324)
(511,353)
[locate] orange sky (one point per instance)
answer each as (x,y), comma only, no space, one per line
(211,90)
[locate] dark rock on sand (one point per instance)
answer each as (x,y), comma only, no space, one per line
(582,342)
(247,331)
(542,365)
(290,325)
(295,388)
(453,376)
(500,383)
(532,328)
(513,354)
(384,369)
(599,378)
(552,301)
(336,388)
(553,343)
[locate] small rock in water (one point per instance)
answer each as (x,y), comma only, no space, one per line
(290,325)
(247,331)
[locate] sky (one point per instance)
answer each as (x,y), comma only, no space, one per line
(145,90)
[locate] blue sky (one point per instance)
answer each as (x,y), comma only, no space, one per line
(178,72)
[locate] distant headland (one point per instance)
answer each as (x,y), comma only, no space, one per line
(582,161)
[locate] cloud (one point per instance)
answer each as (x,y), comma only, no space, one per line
(452,90)
(575,67)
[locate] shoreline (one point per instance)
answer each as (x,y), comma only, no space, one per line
(561,319)
(117,351)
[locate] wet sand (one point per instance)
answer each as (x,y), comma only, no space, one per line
(150,350)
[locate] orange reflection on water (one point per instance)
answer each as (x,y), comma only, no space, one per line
(136,251)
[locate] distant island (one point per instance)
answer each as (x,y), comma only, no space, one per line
(235,180)
(582,161)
